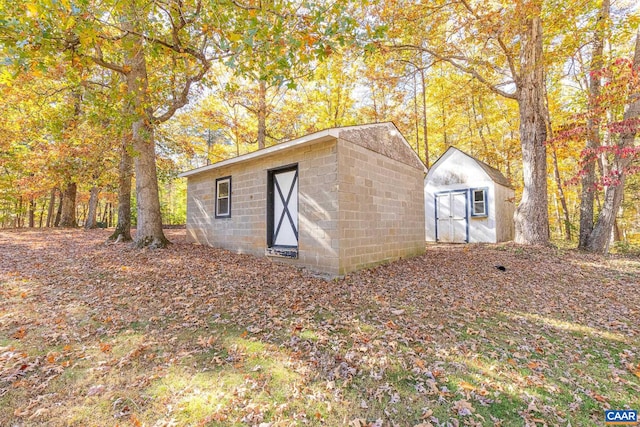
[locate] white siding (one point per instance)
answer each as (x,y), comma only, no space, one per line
(456,170)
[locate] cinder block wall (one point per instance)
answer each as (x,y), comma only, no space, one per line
(381,201)
(245,231)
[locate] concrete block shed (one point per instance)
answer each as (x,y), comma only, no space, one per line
(467,200)
(333,201)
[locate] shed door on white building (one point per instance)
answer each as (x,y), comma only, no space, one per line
(451,217)
(282,215)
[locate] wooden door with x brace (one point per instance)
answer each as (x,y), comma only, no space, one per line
(282,212)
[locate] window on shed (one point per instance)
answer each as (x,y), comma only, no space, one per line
(479,202)
(223,197)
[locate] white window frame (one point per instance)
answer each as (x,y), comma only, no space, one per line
(219,181)
(473,201)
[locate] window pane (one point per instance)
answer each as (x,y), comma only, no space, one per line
(478,196)
(223,206)
(223,189)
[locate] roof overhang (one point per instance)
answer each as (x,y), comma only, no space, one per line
(322,136)
(313,138)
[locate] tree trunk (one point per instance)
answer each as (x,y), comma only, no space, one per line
(262,114)
(68,216)
(588,180)
(375,102)
(93,209)
(532,217)
(618,235)
(68,213)
(598,240)
(41,214)
(444,114)
(82,214)
(478,124)
(424,118)
(32,213)
(18,219)
(123,227)
(556,174)
(149,224)
(52,205)
(558,219)
(563,200)
(56,222)
(105,212)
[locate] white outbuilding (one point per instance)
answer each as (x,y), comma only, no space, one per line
(467,201)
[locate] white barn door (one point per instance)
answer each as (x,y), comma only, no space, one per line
(284,211)
(451,217)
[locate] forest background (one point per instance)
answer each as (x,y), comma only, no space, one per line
(97,94)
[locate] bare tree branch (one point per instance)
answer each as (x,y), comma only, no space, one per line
(99,59)
(501,43)
(183,97)
(452,60)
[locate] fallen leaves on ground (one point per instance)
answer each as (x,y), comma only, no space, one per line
(104,334)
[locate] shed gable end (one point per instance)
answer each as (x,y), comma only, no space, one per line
(455,167)
(384,139)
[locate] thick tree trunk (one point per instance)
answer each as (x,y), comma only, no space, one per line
(68,215)
(532,217)
(32,213)
(52,205)
(588,180)
(93,209)
(618,235)
(587,197)
(123,227)
(598,240)
(149,225)
(149,228)
(262,114)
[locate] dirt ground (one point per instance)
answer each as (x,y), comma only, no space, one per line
(103,334)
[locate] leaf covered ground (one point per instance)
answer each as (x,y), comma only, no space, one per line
(96,334)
